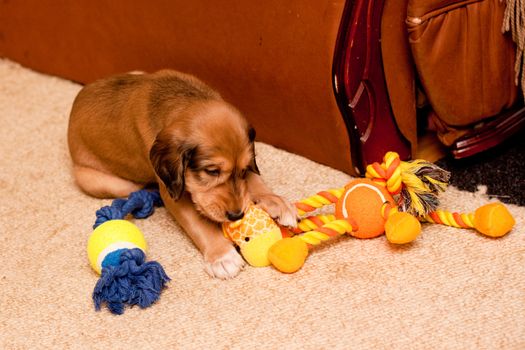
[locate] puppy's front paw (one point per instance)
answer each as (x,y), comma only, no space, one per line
(226,266)
(279,209)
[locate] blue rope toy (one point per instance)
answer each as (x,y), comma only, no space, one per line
(140,204)
(116,250)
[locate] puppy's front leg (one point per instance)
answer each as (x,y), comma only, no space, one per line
(277,207)
(221,258)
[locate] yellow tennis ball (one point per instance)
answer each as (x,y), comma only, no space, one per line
(110,236)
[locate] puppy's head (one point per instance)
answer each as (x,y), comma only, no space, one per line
(208,153)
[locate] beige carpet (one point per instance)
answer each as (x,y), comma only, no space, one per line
(451,289)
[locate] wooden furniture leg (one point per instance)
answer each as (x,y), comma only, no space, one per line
(360,86)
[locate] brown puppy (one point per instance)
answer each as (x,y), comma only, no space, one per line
(129,131)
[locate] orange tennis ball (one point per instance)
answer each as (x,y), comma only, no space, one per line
(362,201)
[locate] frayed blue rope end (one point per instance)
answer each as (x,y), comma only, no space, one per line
(140,204)
(133,281)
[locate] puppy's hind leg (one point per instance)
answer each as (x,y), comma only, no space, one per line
(103,185)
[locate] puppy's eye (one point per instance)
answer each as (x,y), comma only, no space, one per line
(213,172)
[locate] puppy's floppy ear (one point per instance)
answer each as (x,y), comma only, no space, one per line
(170,159)
(253,163)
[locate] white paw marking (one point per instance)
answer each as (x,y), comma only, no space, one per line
(227,266)
(288,217)
(282,211)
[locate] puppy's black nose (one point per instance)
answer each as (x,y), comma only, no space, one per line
(234,215)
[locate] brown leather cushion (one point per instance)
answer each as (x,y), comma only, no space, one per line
(464,62)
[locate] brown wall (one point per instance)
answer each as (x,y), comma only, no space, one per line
(272,59)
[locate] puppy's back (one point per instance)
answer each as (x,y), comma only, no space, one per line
(173,91)
(120,116)
(155,94)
